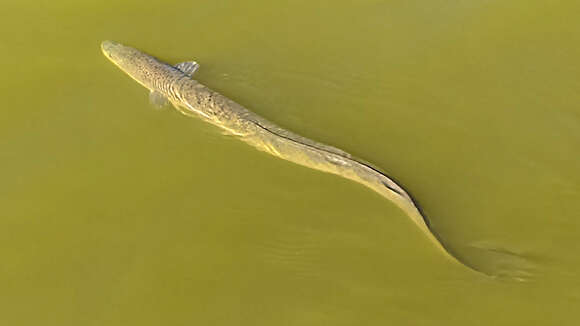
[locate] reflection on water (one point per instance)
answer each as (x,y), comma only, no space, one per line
(116,213)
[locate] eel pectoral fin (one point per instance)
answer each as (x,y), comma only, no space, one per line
(188,67)
(157,99)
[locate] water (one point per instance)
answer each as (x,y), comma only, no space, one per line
(114,213)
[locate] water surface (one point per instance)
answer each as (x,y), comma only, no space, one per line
(114,213)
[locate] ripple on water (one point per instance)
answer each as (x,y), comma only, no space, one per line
(295,251)
(501,263)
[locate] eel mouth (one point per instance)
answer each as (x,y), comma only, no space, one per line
(108,47)
(114,51)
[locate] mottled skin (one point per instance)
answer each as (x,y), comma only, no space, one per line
(194,99)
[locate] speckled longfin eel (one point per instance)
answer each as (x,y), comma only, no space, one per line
(175,85)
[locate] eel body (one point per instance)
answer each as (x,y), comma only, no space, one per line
(174,84)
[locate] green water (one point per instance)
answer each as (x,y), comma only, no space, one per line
(114,213)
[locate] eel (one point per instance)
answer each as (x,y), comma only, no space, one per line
(175,85)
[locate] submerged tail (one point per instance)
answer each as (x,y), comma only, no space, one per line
(491,261)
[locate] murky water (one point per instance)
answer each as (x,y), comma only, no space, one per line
(114,213)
